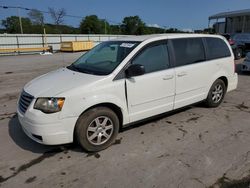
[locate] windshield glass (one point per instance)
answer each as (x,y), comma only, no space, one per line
(104,58)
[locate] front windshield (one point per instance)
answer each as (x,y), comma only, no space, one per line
(104,58)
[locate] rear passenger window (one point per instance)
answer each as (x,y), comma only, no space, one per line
(217,48)
(153,58)
(188,51)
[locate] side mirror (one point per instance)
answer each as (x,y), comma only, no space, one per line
(135,70)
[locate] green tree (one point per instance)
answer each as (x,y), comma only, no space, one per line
(153,30)
(173,30)
(115,29)
(133,25)
(12,25)
(2,31)
(93,25)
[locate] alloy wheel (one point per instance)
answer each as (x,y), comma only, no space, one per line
(100,130)
(217,93)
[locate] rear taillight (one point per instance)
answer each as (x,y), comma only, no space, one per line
(231,41)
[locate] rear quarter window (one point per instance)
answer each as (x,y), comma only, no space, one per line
(216,48)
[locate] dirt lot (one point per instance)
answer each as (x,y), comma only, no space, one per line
(195,147)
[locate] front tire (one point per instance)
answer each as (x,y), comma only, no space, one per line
(216,94)
(96,129)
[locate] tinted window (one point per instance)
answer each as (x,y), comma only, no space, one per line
(236,37)
(188,51)
(217,48)
(241,37)
(153,58)
(245,36)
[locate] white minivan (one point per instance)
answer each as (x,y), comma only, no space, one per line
(123,81)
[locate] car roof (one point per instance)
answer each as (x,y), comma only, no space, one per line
(141,38)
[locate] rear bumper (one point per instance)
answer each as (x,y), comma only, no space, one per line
(232,82)
(58,132)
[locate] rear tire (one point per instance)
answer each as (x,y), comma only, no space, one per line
(216,94)
(96,129)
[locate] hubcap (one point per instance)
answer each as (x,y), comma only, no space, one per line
(100,130)
(217,93)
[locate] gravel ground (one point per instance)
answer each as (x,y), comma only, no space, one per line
(194,147)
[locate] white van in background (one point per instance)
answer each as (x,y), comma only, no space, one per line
(122,81)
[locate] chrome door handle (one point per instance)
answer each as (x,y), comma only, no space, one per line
(168,77)
(182,74)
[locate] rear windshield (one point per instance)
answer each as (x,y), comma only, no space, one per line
(104,58)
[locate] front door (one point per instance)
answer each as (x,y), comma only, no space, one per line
(152,93)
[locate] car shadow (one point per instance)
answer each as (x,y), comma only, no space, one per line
(159,117)
(23,141)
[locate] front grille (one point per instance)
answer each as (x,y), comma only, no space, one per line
(24,101)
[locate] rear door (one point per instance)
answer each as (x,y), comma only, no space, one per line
(152,93)
(192,73)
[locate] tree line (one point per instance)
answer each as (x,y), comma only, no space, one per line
(92,24)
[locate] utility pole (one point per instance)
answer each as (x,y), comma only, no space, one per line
(120,25)
(105,26)
(20,20)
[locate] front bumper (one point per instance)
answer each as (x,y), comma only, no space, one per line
(60,131)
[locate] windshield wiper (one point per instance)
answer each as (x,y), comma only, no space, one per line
(73,67)
(86,71)
(79,69)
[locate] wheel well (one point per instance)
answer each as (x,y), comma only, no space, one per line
(116,109)
(224,79)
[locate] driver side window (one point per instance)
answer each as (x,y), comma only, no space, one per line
(153,58)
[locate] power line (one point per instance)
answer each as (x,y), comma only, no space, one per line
(47,12)
(18,14)
(42,11)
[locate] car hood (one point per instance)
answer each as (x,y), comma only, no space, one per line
(58,81)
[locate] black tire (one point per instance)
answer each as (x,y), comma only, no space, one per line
(87,122)
(238,53)
(213,99)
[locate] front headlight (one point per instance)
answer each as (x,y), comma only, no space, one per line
(49,105)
